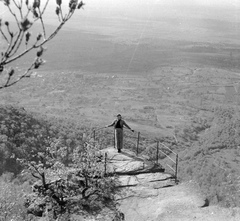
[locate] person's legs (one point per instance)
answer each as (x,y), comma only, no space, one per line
(119,138)
(116,138)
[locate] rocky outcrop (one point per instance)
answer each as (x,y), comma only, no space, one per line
(150,194)
(135,171)
(139,180)
(127,163)
(144,193)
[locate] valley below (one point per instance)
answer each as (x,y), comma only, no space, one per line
(157,102)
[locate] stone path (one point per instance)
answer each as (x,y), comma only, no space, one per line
(151,195)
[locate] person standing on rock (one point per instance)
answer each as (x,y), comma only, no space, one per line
(118,126)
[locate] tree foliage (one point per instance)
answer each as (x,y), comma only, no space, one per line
(19,39)
(211,159)
(68,174)
(224,131)
(11,198)
(24,135)
(82,187)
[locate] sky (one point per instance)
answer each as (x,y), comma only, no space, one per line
(143,9)
(203,12)
(133,5)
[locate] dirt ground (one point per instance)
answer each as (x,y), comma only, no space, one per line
(179,203)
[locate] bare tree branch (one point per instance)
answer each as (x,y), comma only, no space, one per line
(4,36)
(7,84)
(19,7)
(15,40)
(45,6)
(14,15)
(17,44)
(43,27)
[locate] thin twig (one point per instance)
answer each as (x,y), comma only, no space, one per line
(35,176)
(61,12)
(46,4)
(43,27)
(70,15)
(15,3)
(18,45)
(14,15)
(29,9)
(20,78)
(9,78)
(9,31)
(19,7)
(4,36)
(42,175)
(36,46)
(10,49)
(6,55)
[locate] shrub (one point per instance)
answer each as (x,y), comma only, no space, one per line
(81,187)
(11,199)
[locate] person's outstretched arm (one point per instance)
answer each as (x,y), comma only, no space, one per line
(125,124)
(110,125)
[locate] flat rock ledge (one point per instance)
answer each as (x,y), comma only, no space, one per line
(135,171)
(127,163)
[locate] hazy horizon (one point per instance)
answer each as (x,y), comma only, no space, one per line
(142,9)
(173,30)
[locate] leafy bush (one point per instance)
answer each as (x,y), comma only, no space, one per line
(82,187)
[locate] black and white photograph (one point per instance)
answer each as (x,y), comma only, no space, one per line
(115,110)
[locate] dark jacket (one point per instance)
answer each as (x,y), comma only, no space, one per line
(122,123)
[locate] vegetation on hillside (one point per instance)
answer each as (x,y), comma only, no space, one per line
(11,198)
(23,135)
(213,159)
(67,175)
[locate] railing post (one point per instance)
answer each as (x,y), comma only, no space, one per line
(157,152)
(114,139)
(176,169)
(94,137)
(105,164)
(138,137)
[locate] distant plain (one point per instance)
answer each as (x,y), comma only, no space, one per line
(158,70)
